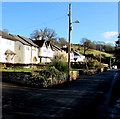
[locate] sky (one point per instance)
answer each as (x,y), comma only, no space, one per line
(98,20)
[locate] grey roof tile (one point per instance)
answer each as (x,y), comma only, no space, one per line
(21,40)
(7,36)
(39,42)
(28,40)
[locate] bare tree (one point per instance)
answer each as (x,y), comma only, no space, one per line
(43,34)
(86,44)
(62,42)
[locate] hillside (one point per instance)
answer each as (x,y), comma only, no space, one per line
(95,53)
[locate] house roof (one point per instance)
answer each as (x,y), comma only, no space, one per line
(65,49)
(39,42)
(28,40)
(55,48)
(7,36)
(76,53)
(21,40)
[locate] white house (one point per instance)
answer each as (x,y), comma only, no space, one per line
(74,55)
(45,50)
(17,49)
(78,57)
(22,50)
(7,51)
(23,55)
(31,50)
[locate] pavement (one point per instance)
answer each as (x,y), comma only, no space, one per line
(76,99)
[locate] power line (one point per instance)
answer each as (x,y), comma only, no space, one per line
(49,21)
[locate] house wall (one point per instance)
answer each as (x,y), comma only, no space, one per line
(20,52)
(6,44)
(27,57)
(46,53)
(80,58)
(34,56)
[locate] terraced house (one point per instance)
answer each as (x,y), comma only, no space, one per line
(26,50)
(7,48)
(21,50)
(17,49)
(45,50)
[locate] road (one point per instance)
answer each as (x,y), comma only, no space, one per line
(77,99)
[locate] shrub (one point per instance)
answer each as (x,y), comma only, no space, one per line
(39,80)
(49,72)
(93,63)
(4,66)
(47,77)
(60,65)
(59,56)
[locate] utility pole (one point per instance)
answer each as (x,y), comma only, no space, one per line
(100,55)
(110,61)
(70,38)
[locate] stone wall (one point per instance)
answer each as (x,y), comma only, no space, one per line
(30,79)
(17,77)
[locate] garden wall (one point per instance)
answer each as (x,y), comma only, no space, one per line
(17,77)
(32,78)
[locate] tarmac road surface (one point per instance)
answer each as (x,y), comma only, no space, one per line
(77,99)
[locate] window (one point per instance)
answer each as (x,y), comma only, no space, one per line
(27,48)
(19,47)
(44,50)
(8,42)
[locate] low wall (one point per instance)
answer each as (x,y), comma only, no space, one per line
(30,79)
(17,77)
(34,78)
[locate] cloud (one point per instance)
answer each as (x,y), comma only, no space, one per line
(110,42)
(109,35)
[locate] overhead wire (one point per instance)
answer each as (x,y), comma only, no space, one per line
(60,5)
(49,21)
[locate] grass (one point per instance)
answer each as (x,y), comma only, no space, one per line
(92,51)
(20,70)
(96,52)
(77,69)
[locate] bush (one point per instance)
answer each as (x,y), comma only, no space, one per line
(59,56)
(93,63)
(49,76)
(39,80)
(49,72)
(60,65)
